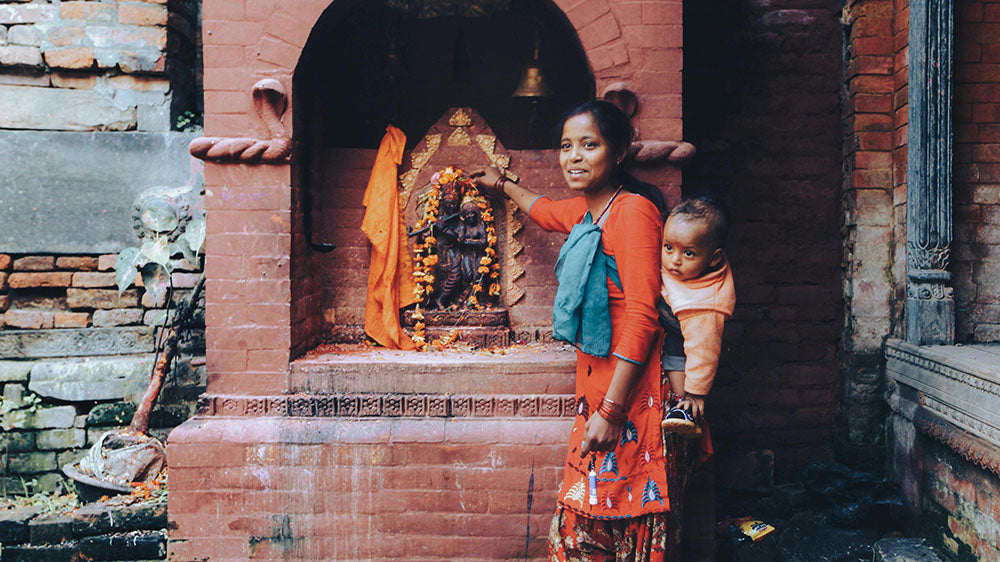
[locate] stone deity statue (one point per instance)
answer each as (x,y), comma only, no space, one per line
(461,244)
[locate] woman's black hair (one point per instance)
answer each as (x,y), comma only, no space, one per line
(617,131)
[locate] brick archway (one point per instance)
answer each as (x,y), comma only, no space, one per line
(288,27)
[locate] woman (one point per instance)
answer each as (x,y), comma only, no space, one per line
(613,503)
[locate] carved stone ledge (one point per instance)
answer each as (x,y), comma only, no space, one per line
(952,394)
(29,344)
(389,406)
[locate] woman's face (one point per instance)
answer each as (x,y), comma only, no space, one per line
(586,159)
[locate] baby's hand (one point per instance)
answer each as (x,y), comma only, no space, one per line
(694,404)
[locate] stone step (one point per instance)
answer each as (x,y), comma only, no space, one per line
(905,550)
(89,378)
(530,369)
(32,344)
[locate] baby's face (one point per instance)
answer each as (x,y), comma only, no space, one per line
(687,248)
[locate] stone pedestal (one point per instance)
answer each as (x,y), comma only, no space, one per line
(379,455)
(480,328)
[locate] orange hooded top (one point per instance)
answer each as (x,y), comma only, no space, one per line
(702,305)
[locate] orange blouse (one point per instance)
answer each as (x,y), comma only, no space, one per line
(631,480)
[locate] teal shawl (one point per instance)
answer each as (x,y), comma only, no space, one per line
(581,314)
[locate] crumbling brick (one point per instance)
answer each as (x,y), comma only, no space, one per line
(107,262)
(118,317)
(29,319)
(15,55)
(71,319)
(80,263)
(89,11)
(101,298)
(20,280)
(74,58)
(93,279)
(35,263)
(142,14)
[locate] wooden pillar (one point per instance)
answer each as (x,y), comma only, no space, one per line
(930,303)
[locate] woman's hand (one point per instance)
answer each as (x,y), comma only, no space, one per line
(487,178)
(599,435)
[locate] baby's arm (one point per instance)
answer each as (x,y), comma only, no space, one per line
(702,330)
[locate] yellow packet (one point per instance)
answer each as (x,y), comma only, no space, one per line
(753,528)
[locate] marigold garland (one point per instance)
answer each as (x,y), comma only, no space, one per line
(426,258)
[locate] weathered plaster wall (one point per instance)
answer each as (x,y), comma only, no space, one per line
(976,250)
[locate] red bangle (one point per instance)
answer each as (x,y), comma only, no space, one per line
(611,412)
(498,186)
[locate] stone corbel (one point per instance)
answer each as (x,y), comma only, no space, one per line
(646,151)
(270,102)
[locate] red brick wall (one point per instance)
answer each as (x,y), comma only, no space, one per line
(874,143)
(364,489)
(976,248)
(957,502)
(46,291)
(761,104)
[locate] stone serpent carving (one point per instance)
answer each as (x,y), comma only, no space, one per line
(270,102)
(645,151)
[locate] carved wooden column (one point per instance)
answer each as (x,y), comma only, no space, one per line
(930,304)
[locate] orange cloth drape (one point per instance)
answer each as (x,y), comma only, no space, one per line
(390,276)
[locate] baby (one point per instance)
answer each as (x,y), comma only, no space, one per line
(698,289)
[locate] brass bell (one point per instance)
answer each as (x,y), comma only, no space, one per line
(532,84)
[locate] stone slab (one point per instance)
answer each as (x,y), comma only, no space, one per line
(51,529)
(87,379)
(905,550)
(66,438)
(44,184)
(959,383)
(62,109)
(149,545)
(532,369)
(15,371)
(43,418)
(61,552)
(17,441)
(115,413)
(32,463)
(32,344)
(14,524)
(98,518)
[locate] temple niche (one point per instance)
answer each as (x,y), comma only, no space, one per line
(446,74)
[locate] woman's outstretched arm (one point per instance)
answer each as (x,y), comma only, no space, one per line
(488,178)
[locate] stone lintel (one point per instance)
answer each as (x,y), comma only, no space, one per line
(951,393)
